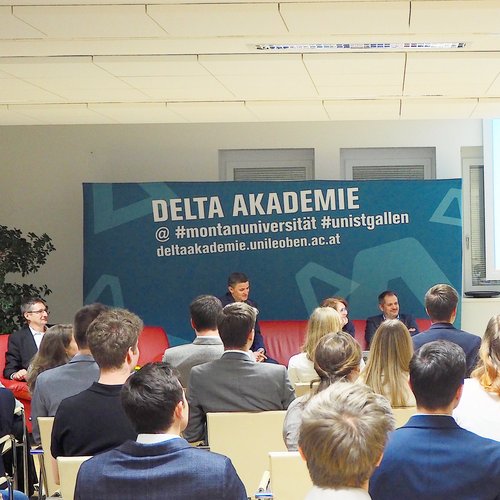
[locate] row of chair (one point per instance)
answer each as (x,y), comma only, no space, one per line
(259,448)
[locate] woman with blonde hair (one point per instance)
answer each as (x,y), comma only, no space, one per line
(337,358)
(387,369)
(479,408)
(57,347)
(323,320)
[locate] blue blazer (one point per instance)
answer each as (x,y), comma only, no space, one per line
(432,458)
(172,469)
(446,331)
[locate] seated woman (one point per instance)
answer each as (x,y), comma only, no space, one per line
(387,369)
(342,307)
(58,346)
(479,408)
(323,320)
(337,359)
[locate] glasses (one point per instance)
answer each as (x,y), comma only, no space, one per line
(40,311)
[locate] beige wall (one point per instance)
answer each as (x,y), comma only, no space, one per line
(43,169)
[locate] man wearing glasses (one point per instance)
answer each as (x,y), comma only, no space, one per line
(24,343)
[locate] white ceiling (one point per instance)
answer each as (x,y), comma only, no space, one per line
(182,61)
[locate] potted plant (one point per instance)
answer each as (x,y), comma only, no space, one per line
(24,255)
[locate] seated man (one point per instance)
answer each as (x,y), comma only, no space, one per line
(52,386)
(207,345)
(235,382)
(24,343)
(160,464)
(94,421)
(432,457)
(389,305)
(441,306)
(238,287)
(342,437)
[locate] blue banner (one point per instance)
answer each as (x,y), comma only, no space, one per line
(153,247)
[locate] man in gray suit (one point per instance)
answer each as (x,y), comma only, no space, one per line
(235,382)
(207,345)
(52,386)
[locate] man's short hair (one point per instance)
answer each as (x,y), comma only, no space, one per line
(149,398)
(111,335)
(235,322)
(437,370)
(236,278)
(29,302)
(204,311)
(343,434)
(384,294)
(440,302)
(82,320)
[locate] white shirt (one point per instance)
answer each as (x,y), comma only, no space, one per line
(337,494)
(37,337)
(478,410)
(301,369)
(155,438)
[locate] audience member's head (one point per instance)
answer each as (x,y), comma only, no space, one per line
(238,286)
(340,305)
(82,320)
(112,336)
(153,400)
(386,371)
(488,366)
(437,372)
(323,320)
(441,303)
(56,348)
(343,433)
(337,358)
(204,311)
(236,322)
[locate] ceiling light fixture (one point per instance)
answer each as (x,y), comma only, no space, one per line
(301,47)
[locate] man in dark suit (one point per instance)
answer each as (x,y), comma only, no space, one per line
(238,290)
(389,305)
(235,382)
(160,464)
(432,457)
(441,306)
(24,343)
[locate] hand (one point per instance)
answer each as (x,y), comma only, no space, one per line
(20,375)
(259,356)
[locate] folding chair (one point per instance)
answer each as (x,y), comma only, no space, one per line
(289,475)
(47,474)
(68,472)
(246,438)
(403,414)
